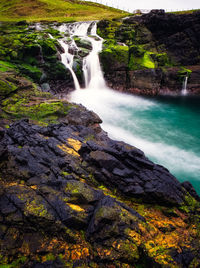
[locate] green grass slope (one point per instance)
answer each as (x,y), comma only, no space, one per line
(58,10)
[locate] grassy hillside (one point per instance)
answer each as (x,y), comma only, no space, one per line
(59,10)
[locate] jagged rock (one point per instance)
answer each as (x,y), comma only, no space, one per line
(51,191)
(159,45)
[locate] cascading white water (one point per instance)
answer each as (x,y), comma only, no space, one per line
(70,48)
(91,66)
(93,75)
(145,123)
(184,88)
(67,59)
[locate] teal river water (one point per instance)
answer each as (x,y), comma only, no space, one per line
(167,129)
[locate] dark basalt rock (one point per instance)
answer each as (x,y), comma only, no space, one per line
(113,163)
(132,174)
(171,41)
(49,191)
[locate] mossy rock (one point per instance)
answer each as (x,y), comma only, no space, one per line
(162,60)
(80,192)
(6,66)
(48,46)
(83,43)
(140,58)
(114,56)
(107,29)
(44,112)
(77,67)
(31,71)
(6,87)
(32,50)
(83,52)
(56,70)
(183,72)
(125,34)
(31,103)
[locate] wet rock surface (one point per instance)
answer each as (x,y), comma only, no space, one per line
(57,204)
(36,154)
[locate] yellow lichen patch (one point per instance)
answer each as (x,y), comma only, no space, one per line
(37,209)
(25,248)
(75,207)
(34,187)
(44,137)
(162,233)
(68,150)
(76,144)
(68,252)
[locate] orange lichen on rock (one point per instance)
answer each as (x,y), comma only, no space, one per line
(78,252)
(103,252)
(75,207)
(135,236)
(34,187)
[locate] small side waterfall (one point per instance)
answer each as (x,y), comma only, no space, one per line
(184,88)
(91,66)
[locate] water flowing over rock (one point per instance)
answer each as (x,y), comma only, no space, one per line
(184,89)
(83,36)
(69,195)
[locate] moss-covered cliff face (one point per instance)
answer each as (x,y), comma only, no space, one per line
(28,49)
(152,53)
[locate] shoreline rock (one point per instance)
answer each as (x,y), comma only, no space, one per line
(71,195)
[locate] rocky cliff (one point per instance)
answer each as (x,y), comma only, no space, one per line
(69,195)
(153,53)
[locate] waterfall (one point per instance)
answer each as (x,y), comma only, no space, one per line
(67,59)
(92,72)
(184,88)
(91,66)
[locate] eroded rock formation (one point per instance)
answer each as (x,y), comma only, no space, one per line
(151,54)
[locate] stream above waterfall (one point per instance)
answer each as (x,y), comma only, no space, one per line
(165,128)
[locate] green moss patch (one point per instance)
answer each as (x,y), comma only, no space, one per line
(6,66)
(114,55)
(6,87)
(43,112)
(140,58)
(29,102)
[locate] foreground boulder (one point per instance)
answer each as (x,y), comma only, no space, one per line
(72,196)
